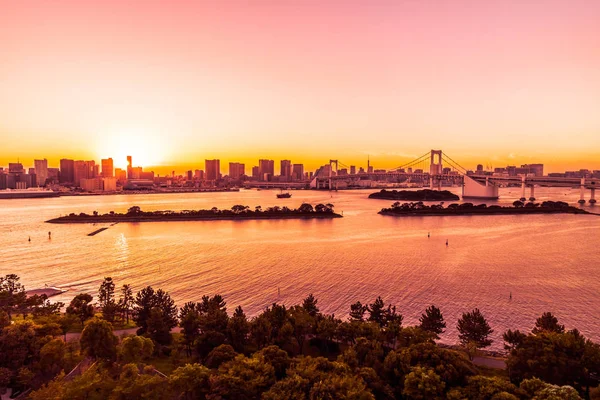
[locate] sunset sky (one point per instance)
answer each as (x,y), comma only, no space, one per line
(174,82)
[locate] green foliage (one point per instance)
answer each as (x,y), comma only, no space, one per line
(512,339)
(357,311)
(345,387)
(309,304)
(81,307)
(98,341)
(422,384)
(484,388)
(219,355)
(238,329)
(432,321)
(557,358)
(12,295)
(135,385)
(155,312)
(191,380)
(51,356)
(135,349)
(243,378)
(548,323)
(106,299)
(473,328)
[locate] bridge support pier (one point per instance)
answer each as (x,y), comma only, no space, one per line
(532,194)
(523,189)
(582,192)
(593,197)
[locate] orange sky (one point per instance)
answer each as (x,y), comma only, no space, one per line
(174,82)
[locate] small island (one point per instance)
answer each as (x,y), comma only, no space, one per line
(237,212)
(518,207)
(415,195)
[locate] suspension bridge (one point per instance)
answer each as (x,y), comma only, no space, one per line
(436,169)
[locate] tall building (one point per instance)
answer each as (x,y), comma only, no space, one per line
(352,169)
(84,170)
(298,172)
(213,169)
(41,171)
(67,171)
(121,175)
(129,167)
(16,168)
(255,172)
(266,168)
(286,169)
(236,170)
(107,168)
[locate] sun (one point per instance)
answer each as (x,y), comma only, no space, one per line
(145,149)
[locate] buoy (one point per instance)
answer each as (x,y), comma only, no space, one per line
(49,235)
(30,238)
(510,297)
(446,242)
(428,234)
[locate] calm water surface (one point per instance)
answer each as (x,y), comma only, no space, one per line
(547,262)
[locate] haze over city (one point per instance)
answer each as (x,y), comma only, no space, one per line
(495,82)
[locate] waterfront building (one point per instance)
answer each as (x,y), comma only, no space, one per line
(266,168)
(107,167)
(236,170)
(84,170)
(298,172)
(353,170)
(41,171)
(213,169)
(121,175)
(67,171)
(255,172)
(286,169)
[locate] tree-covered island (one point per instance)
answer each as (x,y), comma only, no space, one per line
(415,195)
(518,207)
(237,212)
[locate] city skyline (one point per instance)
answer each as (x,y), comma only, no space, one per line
(495,83)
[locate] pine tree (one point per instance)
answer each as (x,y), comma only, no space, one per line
(310,305)
(474,329)
(433,321)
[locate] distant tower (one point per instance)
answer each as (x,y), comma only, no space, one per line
(435,168)
(129,168)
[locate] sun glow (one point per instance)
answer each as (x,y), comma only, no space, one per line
(144,148)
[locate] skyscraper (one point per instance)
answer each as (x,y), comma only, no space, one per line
(41,171)
(107,168)
(266,168)
(67,171)
(236,170)
(84,170)
(213,169)
(298,172)
(286,169)
(129,167)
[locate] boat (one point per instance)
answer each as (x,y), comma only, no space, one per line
(285,195)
